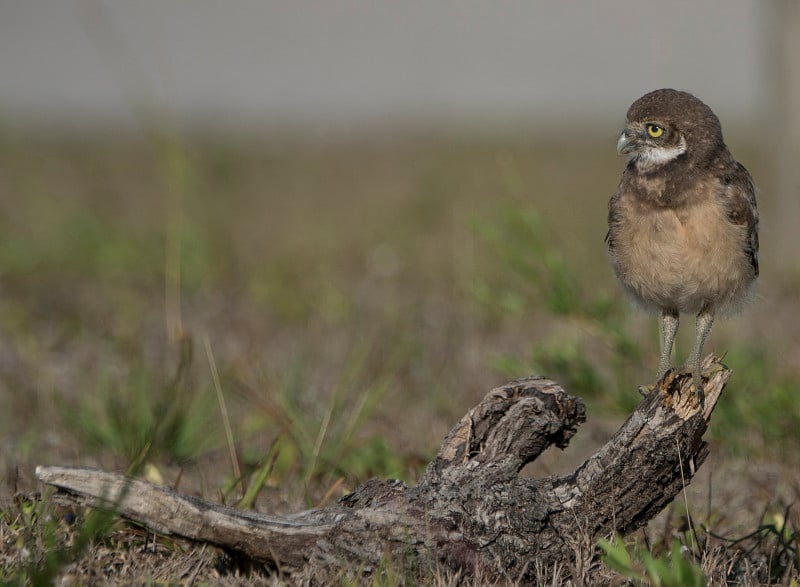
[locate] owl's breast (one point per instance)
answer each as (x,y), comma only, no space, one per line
(682,258)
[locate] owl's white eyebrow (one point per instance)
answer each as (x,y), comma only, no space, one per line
(649,158)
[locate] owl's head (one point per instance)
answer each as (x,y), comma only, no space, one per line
(666,125)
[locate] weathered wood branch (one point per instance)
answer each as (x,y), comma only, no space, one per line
(470,510)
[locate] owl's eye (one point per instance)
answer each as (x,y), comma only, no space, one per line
(654,130)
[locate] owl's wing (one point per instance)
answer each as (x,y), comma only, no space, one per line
(613,217)
(740,196)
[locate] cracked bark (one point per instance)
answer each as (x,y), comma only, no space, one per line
(470,510)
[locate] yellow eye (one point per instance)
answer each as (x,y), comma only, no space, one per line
(655,130)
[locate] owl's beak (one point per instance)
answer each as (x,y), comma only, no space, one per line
(627,142)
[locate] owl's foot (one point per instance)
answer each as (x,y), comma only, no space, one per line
(697,380)
(660,379)
(696,370)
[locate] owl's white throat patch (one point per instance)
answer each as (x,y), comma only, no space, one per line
(650,158)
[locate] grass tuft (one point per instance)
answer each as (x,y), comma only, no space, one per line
(146,417)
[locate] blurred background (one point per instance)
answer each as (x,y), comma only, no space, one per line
(343,68)
(275,248)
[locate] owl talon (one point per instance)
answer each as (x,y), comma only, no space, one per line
(698,387)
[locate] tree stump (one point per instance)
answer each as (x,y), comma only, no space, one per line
(470,511)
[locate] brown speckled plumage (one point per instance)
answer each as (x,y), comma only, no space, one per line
(683,224)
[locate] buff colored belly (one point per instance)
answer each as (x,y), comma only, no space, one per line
(681,259)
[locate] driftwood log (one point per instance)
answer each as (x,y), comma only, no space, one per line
(470,511)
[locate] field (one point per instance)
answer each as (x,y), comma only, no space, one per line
(270,324)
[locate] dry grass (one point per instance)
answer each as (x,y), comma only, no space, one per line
(357,299)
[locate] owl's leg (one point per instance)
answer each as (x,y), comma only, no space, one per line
(703,327)
(669,327)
